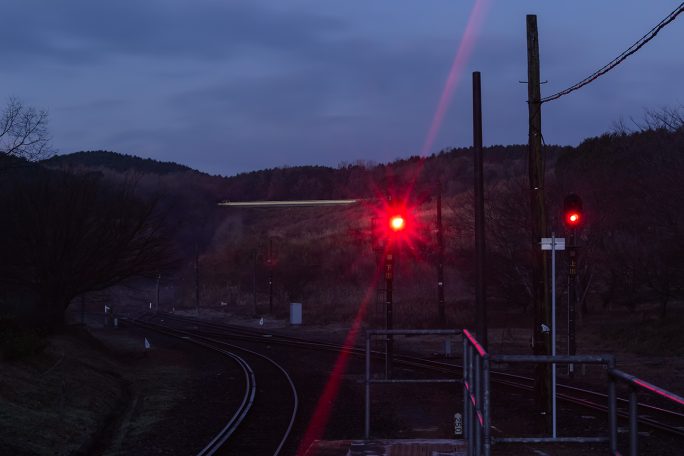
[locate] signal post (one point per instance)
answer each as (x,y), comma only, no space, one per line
(389,278)
(572,216)
(396,224)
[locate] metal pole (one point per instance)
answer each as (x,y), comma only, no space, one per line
(485,406)
(633,422)
(440,260)
(553,333)
(157,303)
(389,279)
(540,345)
(572,298)
(480,301)
(466,399)
(612,411)
(270,276)
(254,284)
(367,415)
(197,279)
(478,406)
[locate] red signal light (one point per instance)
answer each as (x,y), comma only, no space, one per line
(397,223)
(572,218)
(572,211)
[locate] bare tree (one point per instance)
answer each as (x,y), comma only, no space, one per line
(668,118)
(23,131)
(72,234)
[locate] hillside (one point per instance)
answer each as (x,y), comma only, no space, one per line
(629,183)
(114,161)
(453,167)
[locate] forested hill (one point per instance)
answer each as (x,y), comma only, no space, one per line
(452,167)
(115,161)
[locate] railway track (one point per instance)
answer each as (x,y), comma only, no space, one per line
(274,402)
(662,419)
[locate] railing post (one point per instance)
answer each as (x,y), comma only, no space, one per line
(485,406)
(471,411)
(612,412)
(476,421)
(367,414)
(633,422)
(466,425)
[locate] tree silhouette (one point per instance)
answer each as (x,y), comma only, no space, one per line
(71,234)
(23,131)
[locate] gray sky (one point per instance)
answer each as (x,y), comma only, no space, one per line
(227,86)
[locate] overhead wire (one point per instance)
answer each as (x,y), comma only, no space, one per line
(620,58)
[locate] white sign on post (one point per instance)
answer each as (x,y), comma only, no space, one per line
(547,243)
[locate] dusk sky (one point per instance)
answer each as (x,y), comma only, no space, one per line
(227,86)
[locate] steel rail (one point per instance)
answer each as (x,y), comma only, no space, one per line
(514,380)
(193,337)
(224,434)
(248,398)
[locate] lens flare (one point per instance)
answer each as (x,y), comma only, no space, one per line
(463,52)
(465,48)
(326,401)
(321,415)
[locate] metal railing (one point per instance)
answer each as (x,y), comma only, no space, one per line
(476,396)
(476,417)
(477,402)
(635,384)
(399,332)
(607,360)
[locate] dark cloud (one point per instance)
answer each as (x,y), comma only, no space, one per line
(234,85)
(85,31)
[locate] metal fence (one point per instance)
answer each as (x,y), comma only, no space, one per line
(476,417)
(477,402)
(476,392)
(634,385)
(399,332)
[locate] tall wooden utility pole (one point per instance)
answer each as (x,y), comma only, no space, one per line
(254,284)
(157,303)
(270,275)
(197,278)
(542,311)
(480,300)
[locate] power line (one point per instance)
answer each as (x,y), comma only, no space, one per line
(620,58)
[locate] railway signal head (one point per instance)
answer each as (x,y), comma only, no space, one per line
(394,225)
(572,211)
(397,223)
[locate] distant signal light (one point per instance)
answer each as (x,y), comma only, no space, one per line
(573,219)
(572,210)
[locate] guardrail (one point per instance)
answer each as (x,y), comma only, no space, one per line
(476,392)
(399,332)
(635,384)
(476,417)
(608,360)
